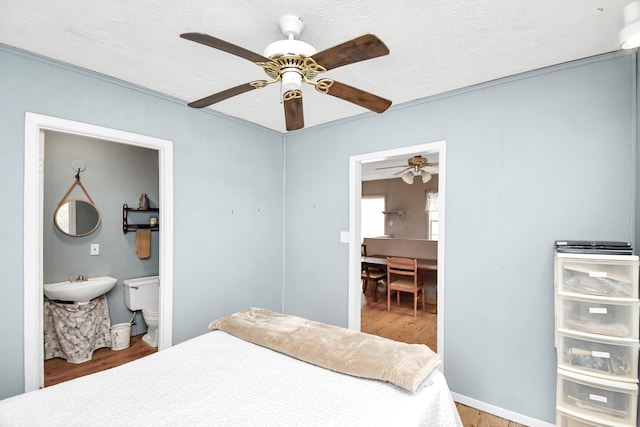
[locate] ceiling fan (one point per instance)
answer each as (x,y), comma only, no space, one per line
(415,165)
(292,62)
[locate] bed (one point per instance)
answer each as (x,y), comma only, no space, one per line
(255,367)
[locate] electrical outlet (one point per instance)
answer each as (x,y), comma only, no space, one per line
(95,249)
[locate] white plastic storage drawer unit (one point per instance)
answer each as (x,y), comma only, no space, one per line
(613,317)
(603,401)
(571,420)
(604,275)
(605,358)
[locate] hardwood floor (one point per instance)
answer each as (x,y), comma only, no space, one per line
(58,370)
(400,325)
(472,417)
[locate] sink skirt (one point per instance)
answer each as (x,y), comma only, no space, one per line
(74,331)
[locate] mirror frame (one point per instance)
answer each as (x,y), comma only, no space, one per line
(55,217)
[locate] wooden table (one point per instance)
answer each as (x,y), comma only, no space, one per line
(380,261)
(425,266)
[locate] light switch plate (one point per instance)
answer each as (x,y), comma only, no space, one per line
(95,249)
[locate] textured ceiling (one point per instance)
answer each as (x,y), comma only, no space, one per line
(436,45)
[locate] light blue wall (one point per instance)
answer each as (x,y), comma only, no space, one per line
(228,197)
(543,156)
(115,174)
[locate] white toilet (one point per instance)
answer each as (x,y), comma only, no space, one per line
(143,293)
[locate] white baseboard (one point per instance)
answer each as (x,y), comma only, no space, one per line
(500,412)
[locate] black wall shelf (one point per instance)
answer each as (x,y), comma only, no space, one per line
(126,227)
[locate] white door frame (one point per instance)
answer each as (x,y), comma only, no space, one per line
(355,194)
(35,125)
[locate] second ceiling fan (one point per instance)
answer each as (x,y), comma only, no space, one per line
(415,165)
(293,62)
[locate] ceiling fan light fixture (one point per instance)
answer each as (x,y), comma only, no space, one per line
(408,177)
(426,176)
(291,80)
(630,33)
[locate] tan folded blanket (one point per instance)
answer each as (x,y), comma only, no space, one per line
(332,347)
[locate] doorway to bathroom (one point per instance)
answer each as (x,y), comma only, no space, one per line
(38,129)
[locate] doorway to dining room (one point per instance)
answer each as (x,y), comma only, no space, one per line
(372,316)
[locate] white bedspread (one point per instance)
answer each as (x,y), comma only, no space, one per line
(219,380)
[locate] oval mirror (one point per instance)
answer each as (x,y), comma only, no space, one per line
(77,217)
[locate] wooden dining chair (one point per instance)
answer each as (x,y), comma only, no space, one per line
(402,276)
(370,274)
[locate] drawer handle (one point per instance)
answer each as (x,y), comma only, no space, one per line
(597,274)
(598,398)
(597,310)
(602,354)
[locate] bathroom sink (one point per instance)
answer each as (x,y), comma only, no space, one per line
(80,292)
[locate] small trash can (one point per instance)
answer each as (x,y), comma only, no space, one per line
(120,336)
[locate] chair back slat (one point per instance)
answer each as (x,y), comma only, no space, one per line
(403,266)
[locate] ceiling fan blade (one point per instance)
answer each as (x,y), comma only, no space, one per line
(402,171)
(216,43)
(356,50)
(359,97)
(293,113)
(392,167)
(221,96)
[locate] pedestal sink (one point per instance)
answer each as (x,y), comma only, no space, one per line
(80,292)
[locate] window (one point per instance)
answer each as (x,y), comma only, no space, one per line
(431,208)
(372,219)
(432,217)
